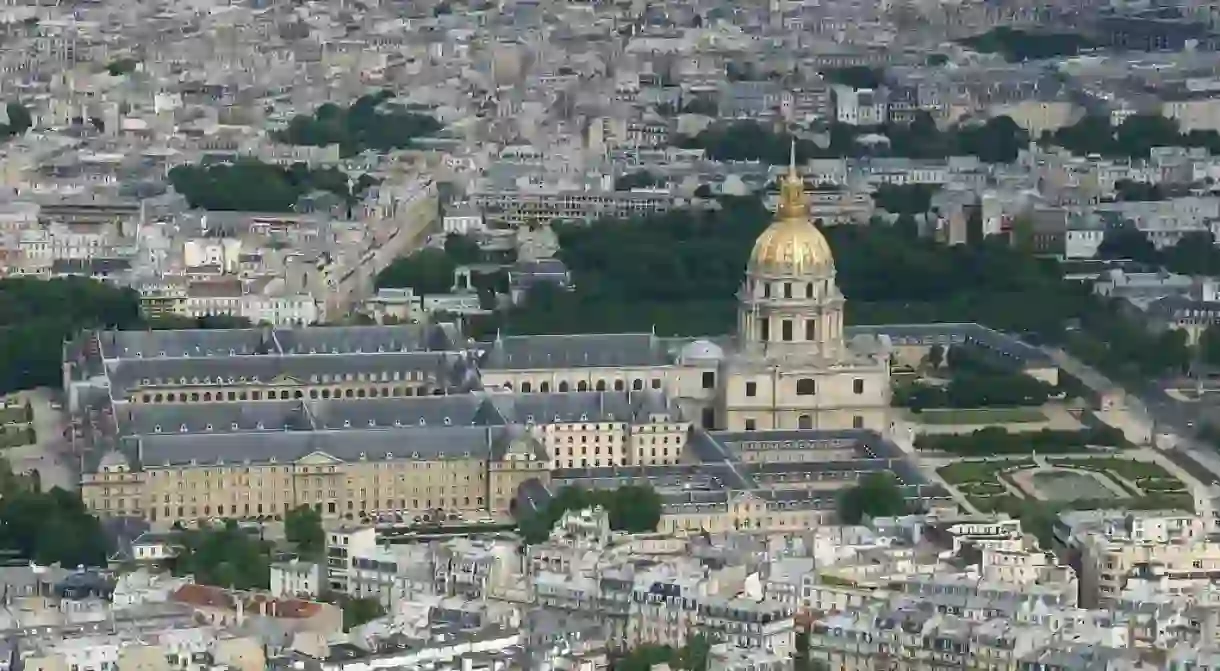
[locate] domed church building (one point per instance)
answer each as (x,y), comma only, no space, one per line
(791,367)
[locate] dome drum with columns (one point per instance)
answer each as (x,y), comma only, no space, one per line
(788,366)
(789,301)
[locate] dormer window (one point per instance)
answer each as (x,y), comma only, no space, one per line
(529,419)
(233,426)
(182,429)
(372,422)
(157,429)
(398,422)
(389,455)
(260,426)
(207,427)
(421,421)
(347,423)
(584,417)
(447,421)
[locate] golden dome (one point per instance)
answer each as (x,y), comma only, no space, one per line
(791,245)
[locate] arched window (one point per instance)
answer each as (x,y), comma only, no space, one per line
(637,384)
(804,422)
(563,386)
(582,386)
(545,387)
(618,385)
(601,385)
(805,387)
(526,387)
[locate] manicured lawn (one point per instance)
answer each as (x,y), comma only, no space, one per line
(979,416)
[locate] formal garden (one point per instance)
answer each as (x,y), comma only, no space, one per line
(1040,487)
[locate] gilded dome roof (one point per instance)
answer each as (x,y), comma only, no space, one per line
(791,245)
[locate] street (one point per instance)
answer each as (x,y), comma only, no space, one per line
(49,455)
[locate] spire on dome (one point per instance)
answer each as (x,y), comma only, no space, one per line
(792,191)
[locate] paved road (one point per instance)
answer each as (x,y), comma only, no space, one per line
(50,456)
(1167,415)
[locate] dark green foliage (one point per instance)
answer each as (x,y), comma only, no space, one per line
(36,316)
(701,105)
(976,382)
(910,199)
(358,611)
(631,508)
(47,528)
(1019,45)
(121,66)
(462,249)
(303,528)
(253,186)
(690,657)
(1139,191)
(223,555)
(1133,138)
(996,141)
(427,271)
(1121,346)
(995,440)
(173,322)
(639,179)
(936,60)
(857,77)
(875,495)
(359,126)
(1127,242)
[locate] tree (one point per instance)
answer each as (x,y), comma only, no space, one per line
(912,199)
(639,179)
(1129,243)
(693,656)
(875,495)
(427,271)
(121,66)
(462,249)
(856,77)
(371,122)
(253,186)
(359,611)
(303,528)
(224,556)
(1018,45)
(936,355)
(630,508)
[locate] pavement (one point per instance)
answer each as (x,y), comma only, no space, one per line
(51,454)
(1151,404)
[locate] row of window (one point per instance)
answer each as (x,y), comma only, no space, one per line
(806,422)
(286,395)
(583,385)
(804,387)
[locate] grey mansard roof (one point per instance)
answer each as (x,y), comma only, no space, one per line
(635,350)
(258,341)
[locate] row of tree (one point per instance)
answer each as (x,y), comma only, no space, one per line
(996,440)
(1019,45)
(430,270)
(250,185)
(875,495)
(975,381)
(997,140)
(47,527)
(1135,137)
(1195,253)
(371,122)
(631,508)
(692,656)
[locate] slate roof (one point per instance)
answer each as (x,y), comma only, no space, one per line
(635,350)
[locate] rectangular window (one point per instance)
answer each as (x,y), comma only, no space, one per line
(857,422)
(709,380)
(811,329)
(787,290)
(750,425)
(656,383)
(857,386)
(751,389)
(787,330)
(764,330)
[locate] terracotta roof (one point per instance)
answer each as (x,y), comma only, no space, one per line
(255,604)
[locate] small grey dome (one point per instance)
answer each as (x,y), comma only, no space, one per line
(700,351)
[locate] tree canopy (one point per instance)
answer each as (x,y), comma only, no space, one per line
(857,77)
(998,140)
(631,508)
(427,271)
(693,656)
(251,185)
(365,124)
(303,528)
(875,495)
(1019,45)
(36,316)
(48,527)
(997,440)
(1133,138)
(975,382)
(224,555)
